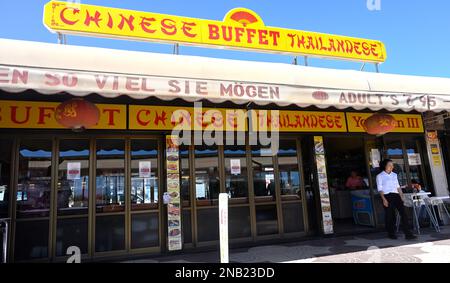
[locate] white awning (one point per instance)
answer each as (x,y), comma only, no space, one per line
(55,68)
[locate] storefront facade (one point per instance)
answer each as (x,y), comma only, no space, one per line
(85,189)
(114,153)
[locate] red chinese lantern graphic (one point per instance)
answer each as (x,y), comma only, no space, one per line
(379,124)
(77,114)
(320,95)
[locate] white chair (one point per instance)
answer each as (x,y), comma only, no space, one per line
(440,205)
(416,202)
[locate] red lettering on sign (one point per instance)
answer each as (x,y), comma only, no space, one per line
(128,20)
(139,119)
(187,27)
(110,113)
(94,19)
(14,115)
(43,114)
(168,26)
(63,18)
(146,23)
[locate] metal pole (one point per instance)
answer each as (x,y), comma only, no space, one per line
(5,239)
(376,68)
(176,49)
(306,61)
(362,67)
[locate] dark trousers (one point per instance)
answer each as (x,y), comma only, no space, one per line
(395,203)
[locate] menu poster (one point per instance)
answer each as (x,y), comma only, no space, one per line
(145,169)
(318,145)
(432,136)
(375,157)
(327,219)
(73,170)
(437,160)
(235,165)
(434,148)
(433,141)
(414,159)
(173,190)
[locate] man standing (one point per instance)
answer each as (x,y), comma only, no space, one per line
(392,197)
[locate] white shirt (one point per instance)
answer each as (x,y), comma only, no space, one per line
(387,183)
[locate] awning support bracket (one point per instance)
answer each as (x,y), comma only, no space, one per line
(62,39)
(176,49)
(362,67)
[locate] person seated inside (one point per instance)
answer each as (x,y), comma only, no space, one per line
(417,188)
(354,181)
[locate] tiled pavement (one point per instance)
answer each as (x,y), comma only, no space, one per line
(373,247)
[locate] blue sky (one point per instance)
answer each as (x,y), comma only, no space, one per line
(416,32)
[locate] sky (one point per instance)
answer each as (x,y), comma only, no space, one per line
(416,33)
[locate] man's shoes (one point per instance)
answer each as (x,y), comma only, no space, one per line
(410,237)
(392,236)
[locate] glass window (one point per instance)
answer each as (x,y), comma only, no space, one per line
(207,182)
(208,224)
(109,233)
(34,180)
(263,174)
(289,170)
(415,162)
(31,240)
(266,219)
(144,174)
(187,226)
(144,230)
(110,168)
(5,175)
(292,217)
(236,177)
(239,222)
(185,177)
(394,151)
(73,177)
(71,232)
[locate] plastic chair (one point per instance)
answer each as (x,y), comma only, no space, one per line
(438,203)
(417,202)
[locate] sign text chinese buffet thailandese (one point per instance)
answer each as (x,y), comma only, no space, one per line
(240,29)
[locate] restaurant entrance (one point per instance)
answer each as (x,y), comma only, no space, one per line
(350,190)
(353,164)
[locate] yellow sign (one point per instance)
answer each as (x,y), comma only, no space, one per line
(405,123)
(437,160)
(240,29)
(41,115)
(298,121)
(146,117)
(38,115)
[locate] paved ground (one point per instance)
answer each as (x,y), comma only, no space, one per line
(374,247)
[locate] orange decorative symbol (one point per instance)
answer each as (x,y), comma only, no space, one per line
(243,18)
(77,114)
(379,124)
